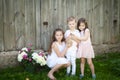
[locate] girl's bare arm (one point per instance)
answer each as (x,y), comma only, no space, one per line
(85,37)
(59,54)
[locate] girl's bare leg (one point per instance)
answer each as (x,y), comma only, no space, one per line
(89,60)
(82,66)
(55,68)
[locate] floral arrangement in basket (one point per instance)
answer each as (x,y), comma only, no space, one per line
(28,57)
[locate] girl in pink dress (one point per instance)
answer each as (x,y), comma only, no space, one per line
(85,49)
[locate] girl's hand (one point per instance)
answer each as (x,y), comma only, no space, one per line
(73,36)
(62,55)
(69,43)
(69,37)
(65,50)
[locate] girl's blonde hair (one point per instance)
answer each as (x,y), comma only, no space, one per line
(71,18)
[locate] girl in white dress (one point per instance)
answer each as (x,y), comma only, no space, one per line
(57,52)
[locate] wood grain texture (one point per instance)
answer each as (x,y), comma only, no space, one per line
(9,25)
(1,27)
(33,21)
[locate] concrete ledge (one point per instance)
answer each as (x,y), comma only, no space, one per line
(9,59)
(105,48)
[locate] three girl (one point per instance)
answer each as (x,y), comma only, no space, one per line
(85,50)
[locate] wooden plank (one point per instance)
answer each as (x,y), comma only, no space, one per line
(115,20)
(59,13)
(30,36)
(55,13)
(97,22)
(70,8)
(51,20)
(119,20)
(64,16)
(81,8)
(9,28)
(44,23)
(107,21)
(38,23)
(51,14)
(89,17)
(94,23)
(101,23)
(89,13)
(78,9)
(19,23)
(111,17)
(52,17)
(1,27)
(105,15)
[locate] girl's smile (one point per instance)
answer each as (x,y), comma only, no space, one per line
(59,35)
(82,26)
(72,24)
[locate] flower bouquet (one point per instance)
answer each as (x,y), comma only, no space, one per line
(30,59)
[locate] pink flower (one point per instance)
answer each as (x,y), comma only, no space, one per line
(30,59)
(41,54)
(24,56)
(30,44)
(20,51)
(29,49)
(27,58)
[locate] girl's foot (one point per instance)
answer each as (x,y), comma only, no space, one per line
(67,74)
(51,76)
(81,76)
(94,76)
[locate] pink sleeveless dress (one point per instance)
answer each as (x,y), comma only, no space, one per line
(85,48)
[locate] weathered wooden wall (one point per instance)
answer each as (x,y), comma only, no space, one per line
(33,21)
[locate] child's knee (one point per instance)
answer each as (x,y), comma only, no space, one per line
(90,63)
(82,62)
(73,63)
(68,64)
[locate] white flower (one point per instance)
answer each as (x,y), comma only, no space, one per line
(20,56)
(34,55)
(23,53)
(24,49)
(43,63)
(39,59)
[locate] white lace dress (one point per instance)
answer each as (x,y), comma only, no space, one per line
(53,59)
